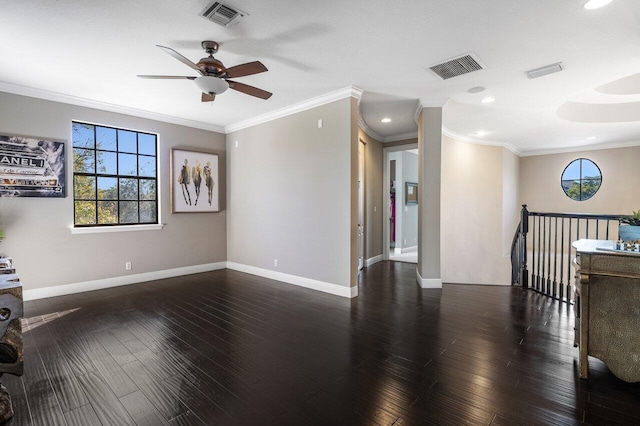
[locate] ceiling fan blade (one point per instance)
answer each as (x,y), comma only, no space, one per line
(181,58)
(208,98)
(172,77)
(249,68)
(249,90)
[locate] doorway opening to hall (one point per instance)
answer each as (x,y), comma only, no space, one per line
(402,232)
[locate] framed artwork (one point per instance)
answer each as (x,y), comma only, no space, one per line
(31,167)
(195,185)
(410,193)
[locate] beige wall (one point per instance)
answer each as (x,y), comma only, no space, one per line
(479,203)
(38,229)
(510,198)
(373,195)
(290,194)
(619,194)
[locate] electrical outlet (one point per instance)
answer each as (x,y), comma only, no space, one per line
(405,241)
(375,209)
(320,123)
(236,144)
(127,266)
(275,262)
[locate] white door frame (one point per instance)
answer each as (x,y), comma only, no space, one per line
(386,189)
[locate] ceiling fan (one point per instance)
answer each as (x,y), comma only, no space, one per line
(214,76)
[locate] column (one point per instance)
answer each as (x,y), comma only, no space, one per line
(429,158)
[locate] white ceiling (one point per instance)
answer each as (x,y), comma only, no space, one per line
(93,50)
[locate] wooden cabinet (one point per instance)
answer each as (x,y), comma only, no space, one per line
(607,290)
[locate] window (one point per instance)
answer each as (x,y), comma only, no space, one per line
(581,179)
(114,176)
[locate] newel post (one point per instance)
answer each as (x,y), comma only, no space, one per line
(524,229)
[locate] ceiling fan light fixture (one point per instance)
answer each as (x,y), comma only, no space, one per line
(596,4)
(211,85)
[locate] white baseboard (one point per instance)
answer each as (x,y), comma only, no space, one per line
(409,249)
(61,290)
(374,259)
(428,282)
(325,287)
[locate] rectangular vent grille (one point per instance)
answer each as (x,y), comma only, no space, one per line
(542,71)
(457,66)
(223,15)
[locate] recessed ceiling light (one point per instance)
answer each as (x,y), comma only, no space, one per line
(592,138)
(476,89)
(596,4)
(488,100)
(480,133)
(386,120)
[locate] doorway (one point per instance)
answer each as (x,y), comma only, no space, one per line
(400,234)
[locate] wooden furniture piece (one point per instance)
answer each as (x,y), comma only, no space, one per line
(11,310)
(607,294)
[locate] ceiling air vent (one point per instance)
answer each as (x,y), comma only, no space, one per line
(457,66)
(223,14)
(548,69)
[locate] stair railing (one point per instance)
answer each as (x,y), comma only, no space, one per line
(548,237)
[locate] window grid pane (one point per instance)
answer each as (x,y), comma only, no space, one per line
(581,179)
(115,176)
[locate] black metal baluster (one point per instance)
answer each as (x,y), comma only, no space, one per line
(555,259)
(561,295)
(569,280)
(539,236)
(544,255)
(606,237)
(533,253)
(548,284)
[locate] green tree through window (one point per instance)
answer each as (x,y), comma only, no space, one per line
(581,179)
(114,176)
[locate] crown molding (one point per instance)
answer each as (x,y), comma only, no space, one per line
(582,148)
(380,138)
(401,137)
(104,106)
(369,131)
(356,92)
(454,135)
(346,92)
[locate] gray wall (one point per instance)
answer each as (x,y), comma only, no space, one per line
(38,235)
(290,194)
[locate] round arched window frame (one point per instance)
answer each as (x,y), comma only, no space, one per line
(581,179)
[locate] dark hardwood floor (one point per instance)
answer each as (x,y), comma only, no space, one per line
(235,349)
